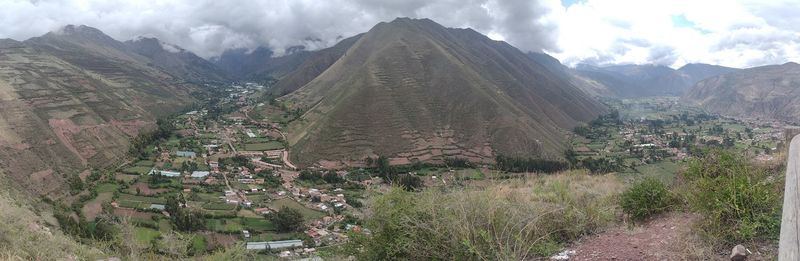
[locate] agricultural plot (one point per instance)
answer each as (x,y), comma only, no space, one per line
(272,145)
(308,214)
(137,170)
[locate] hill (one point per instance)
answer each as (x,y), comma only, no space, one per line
(762,92)
(177,61)
(627,81)
(317,62)
(415,90)
(260,64)
(71,100)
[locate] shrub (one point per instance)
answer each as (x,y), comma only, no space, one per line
(515,220)
(645,198)
(737,200)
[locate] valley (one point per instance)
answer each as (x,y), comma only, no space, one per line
(410,140)
(227,163)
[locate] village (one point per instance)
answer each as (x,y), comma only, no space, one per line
(657,135)
(222,174)
(232,174)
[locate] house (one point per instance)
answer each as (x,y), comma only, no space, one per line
(186,154)
(213,164)
(246,234)
(199,174)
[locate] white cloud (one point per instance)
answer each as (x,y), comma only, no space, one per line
(733,33)
(729,33)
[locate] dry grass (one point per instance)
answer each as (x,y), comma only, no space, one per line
(26,234)
(512,220)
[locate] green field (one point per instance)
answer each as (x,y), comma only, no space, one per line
(230,225)
(132,201)
(145,235)
(308,214)
(145,163)
(219,206)
(107,187)
(257,224)
(139,170)
(664,171)
(272,145)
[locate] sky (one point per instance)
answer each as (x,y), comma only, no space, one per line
(735,33)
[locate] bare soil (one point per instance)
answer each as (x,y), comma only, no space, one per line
(657,239)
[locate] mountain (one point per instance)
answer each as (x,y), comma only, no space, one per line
(555,66)
(260,64)
(415,90)
(762,92)
(177,61)
(71,100)
(313,66)
(626,81)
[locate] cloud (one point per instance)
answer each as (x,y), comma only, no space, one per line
(739,33)
(208,27)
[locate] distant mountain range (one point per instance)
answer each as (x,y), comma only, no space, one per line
(630,81)
(767,92)
(415,90)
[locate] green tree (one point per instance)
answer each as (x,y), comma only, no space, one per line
(287,220)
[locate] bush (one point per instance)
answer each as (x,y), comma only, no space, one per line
(645,198)
(516,220)
(737,200)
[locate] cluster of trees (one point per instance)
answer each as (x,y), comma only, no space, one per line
(329,176)
(515,164)
(156,178)
(182,219)
(99,230)
(287,220)
(457,163)
(236,161)
(270,179)
(601,165)
(164,128)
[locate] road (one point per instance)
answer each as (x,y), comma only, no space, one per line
(285,154)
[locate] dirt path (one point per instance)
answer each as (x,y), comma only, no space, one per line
(658,239)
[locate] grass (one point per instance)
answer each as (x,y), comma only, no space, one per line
(133,201)
(665,171)
(257,224)
(146,235)
(229,225)
(107,187)
(138,170)
(511,220)
(145,163)
(308,214)
(272,145)
(219,206)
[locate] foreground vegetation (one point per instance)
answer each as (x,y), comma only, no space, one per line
(512,220)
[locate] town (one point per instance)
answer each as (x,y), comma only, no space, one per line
(222,174)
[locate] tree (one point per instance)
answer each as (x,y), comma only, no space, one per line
(287,220)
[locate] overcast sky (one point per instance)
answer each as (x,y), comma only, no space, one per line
(669,32)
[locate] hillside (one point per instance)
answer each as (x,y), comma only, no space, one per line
(176,61)
(764,92)
(628,81)
(72,99)
(260,64)
(415,90)
(317,62)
